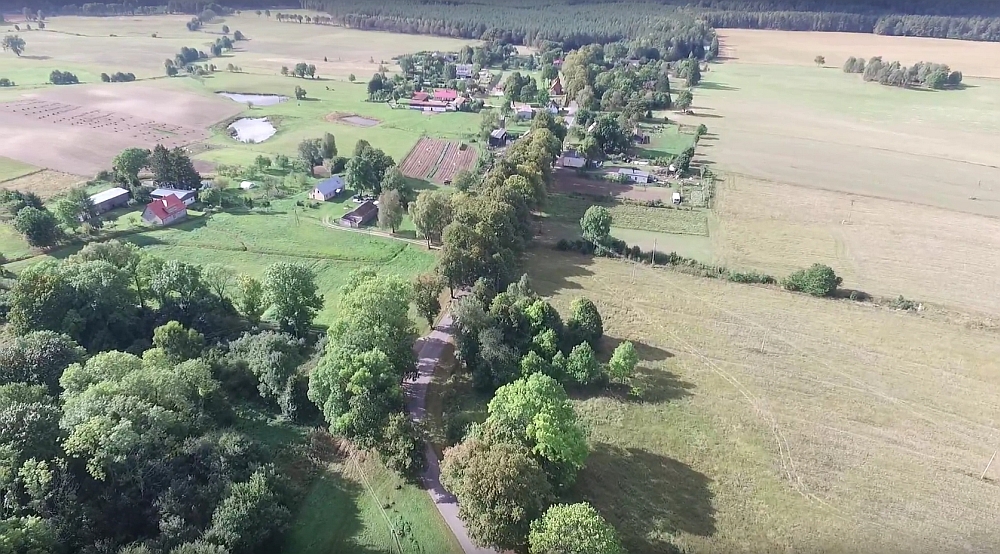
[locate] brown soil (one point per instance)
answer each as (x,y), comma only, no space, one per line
(45,183)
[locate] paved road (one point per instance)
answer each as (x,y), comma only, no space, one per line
(429,350)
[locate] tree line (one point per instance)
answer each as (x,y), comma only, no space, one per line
(921,74)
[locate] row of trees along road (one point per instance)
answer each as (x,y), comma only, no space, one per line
(117,385)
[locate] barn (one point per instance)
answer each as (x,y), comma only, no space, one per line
(361,215)
(109,200)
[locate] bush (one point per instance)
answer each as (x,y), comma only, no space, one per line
(901,303)
(818,280)
(750,277)
(62,78)
(5,82)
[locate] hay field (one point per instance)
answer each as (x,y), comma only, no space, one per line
(774,422)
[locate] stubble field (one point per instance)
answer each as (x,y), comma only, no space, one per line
(773,422)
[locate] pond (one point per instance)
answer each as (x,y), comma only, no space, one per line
(255,99)
(251,129)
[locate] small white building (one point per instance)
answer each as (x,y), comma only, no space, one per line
(522,111)
(675,198)
(572,158)
(327,189)
(464,70)
(246,185)
(635,175)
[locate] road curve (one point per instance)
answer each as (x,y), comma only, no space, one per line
(429,349)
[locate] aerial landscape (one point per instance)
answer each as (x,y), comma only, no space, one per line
(588,277)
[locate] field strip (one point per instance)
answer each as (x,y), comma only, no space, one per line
(437,165)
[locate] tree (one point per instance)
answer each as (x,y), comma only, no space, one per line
(28,535)
(390,210)
(573,529)
(329,146)
(426,290)
(105,78)
(300,93)
(582,365)
(274,359)
(683,100)
(611,136)
(820,60)
(352,78)
(38,226)
(237,35)
(464,180)
(225,29)
(364,172)
(218,278)
(75,207)
(596,224)
(431,213)
(262,162)
(284,71)
(250,515)
(621,367)
(817,280)
(290,289)
(311,71)
(401,449)
(178,344)
(500,489)
(393,179)
(250,298)
(310,152)
(128,163)
(300,69)
(585,323)
(537,411)
(14,43)
(38,358)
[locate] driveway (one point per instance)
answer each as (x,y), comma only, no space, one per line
(429,350)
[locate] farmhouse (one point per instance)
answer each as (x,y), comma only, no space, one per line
(421,96)
(361,215)
(572,158)
(445,95)
(327,189)
(522,111)
(109,200)
(165,211)
(464,70)
(556,88)
(186,196)
(498,137)
(635,175)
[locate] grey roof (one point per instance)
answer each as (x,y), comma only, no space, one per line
(330,185)
(498,133)
(632,171)
(164,192)
(108,195)
(572,154)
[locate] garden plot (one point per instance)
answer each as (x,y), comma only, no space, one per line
(437,160)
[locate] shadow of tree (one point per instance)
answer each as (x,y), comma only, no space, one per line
(329,518)
(551,270)
(646,352)
(709,85)
(646,497)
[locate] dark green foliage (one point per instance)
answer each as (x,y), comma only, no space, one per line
(173,168)
(585,324)
(250,514)
(62,78)
(921,74)
(401,448)
(273,359)
(817,280)
(38,226)
(38,358)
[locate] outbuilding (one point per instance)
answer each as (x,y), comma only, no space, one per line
(572,158)
(187,196)
(498,137)
(328,188)
(363,214)
(634,175)
(109,200)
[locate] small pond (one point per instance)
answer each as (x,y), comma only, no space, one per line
(251,129)
(255,99)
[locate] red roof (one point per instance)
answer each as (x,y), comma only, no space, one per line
(421,96)
(166,207)
(445,94)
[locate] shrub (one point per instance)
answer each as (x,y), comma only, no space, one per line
(750,277)
(817,280)
(62,78)
(901,303)
(5,82)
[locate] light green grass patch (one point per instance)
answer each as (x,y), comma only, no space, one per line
(569,209)
(690,246)
(12,169)
(664,140)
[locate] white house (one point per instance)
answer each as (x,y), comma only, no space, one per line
(327,189)
(523,111)
(464,70)
(634,175)
(572,158)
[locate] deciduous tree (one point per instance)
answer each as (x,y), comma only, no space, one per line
(426,291)
(431,213)
(621,367)
(573,529)
(250,298)
(14,43)
(38,226)
(291,291)
(596,224)
(390,210)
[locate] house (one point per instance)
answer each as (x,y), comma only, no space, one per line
(522,111)
(552,108)
(327,188)
(635,175)
(572,158)
(420,96)
(558,63)
(638,136)
(361,215)
(445,95)
(246,185)
(498,137)
(556,88)
(187,196)
(458,103)
(431,106)
(109,200)
(464,70)
(165,211)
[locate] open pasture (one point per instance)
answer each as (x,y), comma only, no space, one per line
(776,422)
(437,160)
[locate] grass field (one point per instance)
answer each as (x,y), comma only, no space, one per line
(569,209)
(773,422)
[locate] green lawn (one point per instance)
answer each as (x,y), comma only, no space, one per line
(664,140)
(569,209)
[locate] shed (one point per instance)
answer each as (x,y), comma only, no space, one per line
(186,196)
(572,158)
(165,211)
(327,188)
(675,198)
(363,214)
(109,200)
(634,175)
(246,185)
(498,137)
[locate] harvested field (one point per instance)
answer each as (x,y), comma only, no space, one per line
(80,129)
(45,183)
(569,182)
(437,160)
(776,422)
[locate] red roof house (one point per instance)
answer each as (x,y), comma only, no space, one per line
(421,96)
(445,95)
(165,211)
(556,89)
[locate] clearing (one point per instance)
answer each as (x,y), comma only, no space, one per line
(776,422)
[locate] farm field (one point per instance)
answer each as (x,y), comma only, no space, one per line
(777,422)
(569,209)
(12,169)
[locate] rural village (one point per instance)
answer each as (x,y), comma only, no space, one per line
(453,277)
